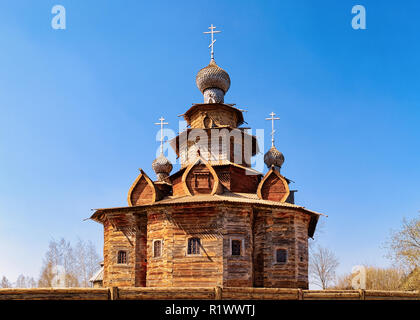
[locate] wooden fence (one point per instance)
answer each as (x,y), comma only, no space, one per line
(209,293)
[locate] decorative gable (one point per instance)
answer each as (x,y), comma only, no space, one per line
(273,187)
(200,178)
(142,191)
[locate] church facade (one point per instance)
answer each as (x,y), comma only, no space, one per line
(216,221)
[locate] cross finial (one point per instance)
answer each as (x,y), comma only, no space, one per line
(272,114)
(212,32)
(161,124)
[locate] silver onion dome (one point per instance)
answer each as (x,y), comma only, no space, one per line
(162,167)
(213,82)
(274,157)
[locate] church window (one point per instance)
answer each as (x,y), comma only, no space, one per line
(202,180)
(157,248)
(194,246)
(122,257)
(236,247)
(281,255)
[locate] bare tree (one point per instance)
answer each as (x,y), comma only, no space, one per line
(25,282)
(404,245)
(404,249)
(322,266)
(47,276)
(79,263)
(87,261)
(5,283)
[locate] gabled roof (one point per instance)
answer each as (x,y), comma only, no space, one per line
(98,276)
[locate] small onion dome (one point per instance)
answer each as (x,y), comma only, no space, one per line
(162,165)
(273,157)
(212,76)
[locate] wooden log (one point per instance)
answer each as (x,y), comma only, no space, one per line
(160,293)
(239,293)
(391,295)
(54,294)
(331,295)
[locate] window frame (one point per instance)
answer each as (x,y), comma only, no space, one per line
(153,249)
(242,246)
(275,256)
(125,251)
(200,245)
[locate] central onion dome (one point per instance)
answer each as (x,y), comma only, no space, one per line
(162,167)
(213,82)
(274,157)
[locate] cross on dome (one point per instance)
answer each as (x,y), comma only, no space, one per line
(272,114)
(161,124)
(212,32)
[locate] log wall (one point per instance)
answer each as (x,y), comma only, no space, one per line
(280,229)
(118,274)
(176,268)
(237,270)
(260,232)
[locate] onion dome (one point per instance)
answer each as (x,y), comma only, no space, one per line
(274,157)
(213,82)
(162,167)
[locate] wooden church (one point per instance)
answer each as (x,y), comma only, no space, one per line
(216,221)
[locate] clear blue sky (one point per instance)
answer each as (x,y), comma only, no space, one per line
(78,106)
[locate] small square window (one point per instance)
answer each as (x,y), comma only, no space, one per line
(236,247)
(281,255)
(122,257)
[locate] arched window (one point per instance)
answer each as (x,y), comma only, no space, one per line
(157,248)
(122,257)
(281,255)
(194,246)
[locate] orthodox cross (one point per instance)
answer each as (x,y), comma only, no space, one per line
(272,114)
(161,124)
(212,32)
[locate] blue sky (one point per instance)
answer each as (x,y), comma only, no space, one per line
(78,106)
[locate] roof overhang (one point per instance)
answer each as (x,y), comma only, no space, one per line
(198,106)
(125,214)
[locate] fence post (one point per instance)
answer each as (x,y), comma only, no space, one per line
(362,294)
(113,293)
(300,294)
(218,293)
